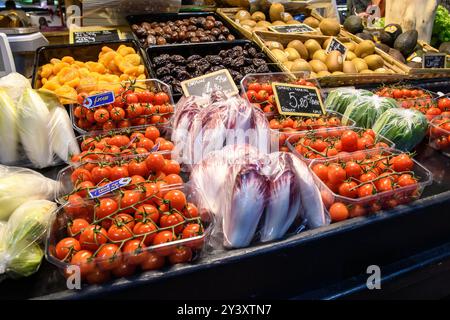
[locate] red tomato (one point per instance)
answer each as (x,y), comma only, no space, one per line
(172,219)
(402,162)
(353,169)
(336,174)
(161,98)
(152,261)
(67,247)
(348,189)
(109,257)
(129,199)
(180,255)
(338,212)
(84,260)
(118,173)
(101,115)
(155,162)
(75,227)
(366,190)
(124,270)
(164,237)
(132,98)
(80,175)
(138,168)
(349,140)
(134,251)
(147,228)
(255,86)
(93,237)
(321,171)
(152,133)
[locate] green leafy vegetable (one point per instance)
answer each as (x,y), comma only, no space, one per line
(367,109)
(404,127)
(441,28)
(338,100)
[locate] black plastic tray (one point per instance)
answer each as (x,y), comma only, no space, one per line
(201,49)
(164,17)
(82,52)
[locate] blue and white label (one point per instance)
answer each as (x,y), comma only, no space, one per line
(110,187)
(98,100)
(155,147)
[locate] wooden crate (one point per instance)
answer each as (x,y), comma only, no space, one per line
(228,14)
(398,74)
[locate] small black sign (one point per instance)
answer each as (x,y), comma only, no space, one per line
(95,36)
(335,44)
(437,60)
(292,28)
(216,81)
(296,100)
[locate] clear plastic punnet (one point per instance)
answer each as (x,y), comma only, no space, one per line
(439,133)
(257,197)
(401,193)
(136,171)
(103,145)
(92,246)
(300,143)
(122,105)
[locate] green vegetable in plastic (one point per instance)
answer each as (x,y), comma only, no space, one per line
(404,127)
(27,261)
(338,100)
(366,110)
(441,28)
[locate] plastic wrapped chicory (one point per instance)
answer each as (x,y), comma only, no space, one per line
(365,110)
(339,99)
(404,127)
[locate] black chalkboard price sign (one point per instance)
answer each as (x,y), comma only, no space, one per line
(296,100)
(292,28)
(335,44)
(437,60)
(215,81)
(91,36)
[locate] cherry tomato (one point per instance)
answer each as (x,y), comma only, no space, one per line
(66,247)
(191,211)
(138,168)
(172,219)
(352,169)
(98,276)
(155,162)
(357,210)
(147,228)
(146,97)
(164,237)
(124,269)
(80,175)
(152,261)
(176,199)
(349,140)
(118,172)
(132,98)
(366,190)
(402,162)
(75,227)
(93,237)
(161,98)
(336,174)
(152,133)
(84,260)
(321,171)
(101,115)
(109,257)
(255,86)
(180,255)
(171,167)
(338,212)
(191,230)
(348,189)
(134,251)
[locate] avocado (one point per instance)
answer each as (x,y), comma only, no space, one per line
(386,38)
(353,24)
(445,47)
(383,47)
(406,42)
(364,36)
(394,30)
(397,55)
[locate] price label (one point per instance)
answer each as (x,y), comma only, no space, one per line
(98,100)
(91,36)
(437,60)
(296,100)
(216,81)
(292,28)
(110,187)
(335,44)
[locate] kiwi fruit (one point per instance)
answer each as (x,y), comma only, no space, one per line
(330,27)
(360,64)
(292,54)
(243,15)
(300,47)
(334,61)
(320,55)
(248,22)
(300,65)
(364,48)
(312,22)
(288,64)
(258,16)
(374,61)
(326,43)
(280,55)
(278,23)
(312,46)
(350,46)
(318,66)
(350,56)
(323,73)
(349,67)
(274,45)
(275,11)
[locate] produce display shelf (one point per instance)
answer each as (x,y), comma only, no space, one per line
(300,264)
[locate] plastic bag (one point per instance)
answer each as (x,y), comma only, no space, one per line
(257,196)
(404,127)
(339,99)
(14,85)
(9,138)
(365,110)
(200,128)
(20,251)
(18,185)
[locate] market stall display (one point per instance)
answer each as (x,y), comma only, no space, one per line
(87,68)
(155,29)
(356,184)
(136,103)
(440,134)
(174,64)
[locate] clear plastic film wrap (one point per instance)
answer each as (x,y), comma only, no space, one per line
(404,127)
(339,99)
(18,185)
(257,197)
(35,129)
(20,238)
(205,124)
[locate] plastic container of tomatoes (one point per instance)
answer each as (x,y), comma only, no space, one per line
(378,199)
(332,119)
(75,182)
(300,143)
(137,103)
(252,88)
(122,142)
(439,133)
(129,239)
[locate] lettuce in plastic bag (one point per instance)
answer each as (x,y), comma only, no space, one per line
(366,110)
(20,251)
(339,99)
(404,127)
(9,138)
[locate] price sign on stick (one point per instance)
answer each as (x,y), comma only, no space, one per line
(296,100)
(292,28)
(216,81)
(335,44)
(436,60)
